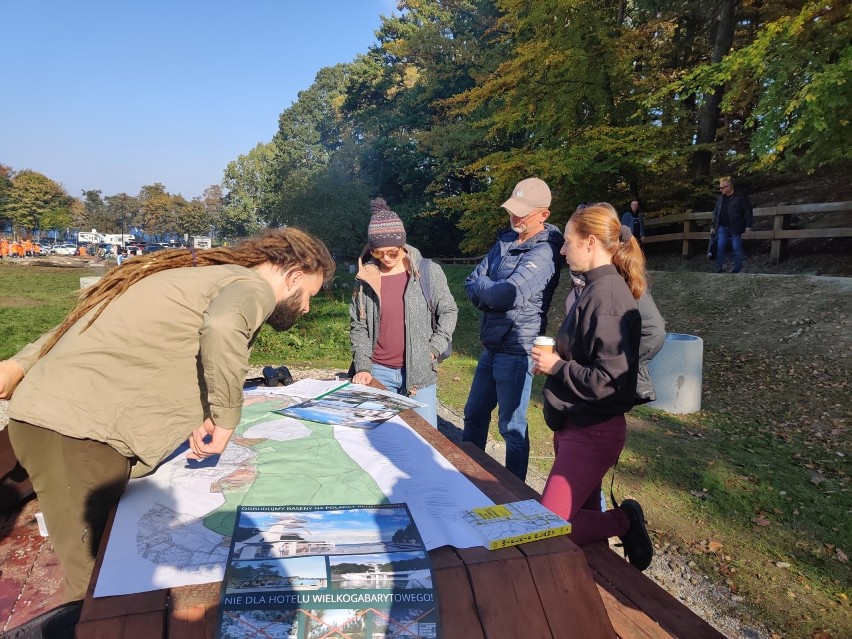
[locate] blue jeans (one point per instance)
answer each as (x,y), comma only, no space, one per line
(506,381)
(722,235)
(394,380)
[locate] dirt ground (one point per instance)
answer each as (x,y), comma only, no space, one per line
(777,354)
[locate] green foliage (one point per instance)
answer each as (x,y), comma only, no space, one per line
(33,201)
(460,99)
(319,339)
(247,182)
(793,84)
(123,212)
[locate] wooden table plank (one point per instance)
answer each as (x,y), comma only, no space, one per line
(142,603)
(456,605)
(627,620)
(507,600)
(569,596)
(644,594)
(194,611)
(149,624)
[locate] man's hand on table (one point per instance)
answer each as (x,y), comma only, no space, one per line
(218,440)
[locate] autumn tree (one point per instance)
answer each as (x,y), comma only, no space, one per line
(123,210)
(35,202)
(246,183)
(157,210)
(97,215)
(789,88)
(214,205)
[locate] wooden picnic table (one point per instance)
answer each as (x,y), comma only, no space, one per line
(543,589)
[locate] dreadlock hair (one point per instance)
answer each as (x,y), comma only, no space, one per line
(286,248)
(627,256)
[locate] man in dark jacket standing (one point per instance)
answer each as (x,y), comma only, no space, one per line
(512,286)
(731,218)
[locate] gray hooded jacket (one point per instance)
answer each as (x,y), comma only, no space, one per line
(421,342)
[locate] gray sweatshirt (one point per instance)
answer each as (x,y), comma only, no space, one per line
(421,342)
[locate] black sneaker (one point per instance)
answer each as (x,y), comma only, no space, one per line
(636,542)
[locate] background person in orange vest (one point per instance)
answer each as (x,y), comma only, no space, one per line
(4,248)
(81,250)
(28,247)
(17,249)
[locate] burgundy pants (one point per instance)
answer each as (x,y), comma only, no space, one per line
(572,491)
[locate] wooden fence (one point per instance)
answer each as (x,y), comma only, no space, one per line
(815,223)
(789,222)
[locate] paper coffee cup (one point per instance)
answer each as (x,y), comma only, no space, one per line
(545,343)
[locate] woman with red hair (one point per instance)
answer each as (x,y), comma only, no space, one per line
(591,381)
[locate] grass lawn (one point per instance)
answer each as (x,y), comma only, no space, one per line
(754,488)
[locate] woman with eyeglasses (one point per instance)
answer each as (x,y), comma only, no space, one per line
(591,380)
(390,322)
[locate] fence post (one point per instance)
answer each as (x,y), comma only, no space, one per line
(687,244)
(778,249)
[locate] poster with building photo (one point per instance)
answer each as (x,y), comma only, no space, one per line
(351,405)
(333,571)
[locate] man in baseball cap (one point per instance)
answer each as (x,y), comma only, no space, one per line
(528,196)
(512,286)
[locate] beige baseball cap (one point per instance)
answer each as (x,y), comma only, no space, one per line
(527,196)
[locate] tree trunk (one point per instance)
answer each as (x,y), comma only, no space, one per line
(622,6)
(708,120)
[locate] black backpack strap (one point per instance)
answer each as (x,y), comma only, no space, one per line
(612,481)
(426,284)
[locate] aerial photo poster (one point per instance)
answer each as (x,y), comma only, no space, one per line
(352,405)
(327,571)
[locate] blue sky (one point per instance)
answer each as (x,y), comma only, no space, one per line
(118,94)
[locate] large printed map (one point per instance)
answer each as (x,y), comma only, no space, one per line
(173,527)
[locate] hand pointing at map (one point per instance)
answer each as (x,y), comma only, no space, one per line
(218,440)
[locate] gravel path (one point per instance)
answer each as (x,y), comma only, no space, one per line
(726,612)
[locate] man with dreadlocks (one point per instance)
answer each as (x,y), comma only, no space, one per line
(155,352)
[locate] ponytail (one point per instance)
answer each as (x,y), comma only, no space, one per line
(601,220)
(629,261)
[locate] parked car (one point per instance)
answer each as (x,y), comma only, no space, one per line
(150,248)
(63,249)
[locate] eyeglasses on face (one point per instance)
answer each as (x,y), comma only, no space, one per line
(529,215)
(391,253)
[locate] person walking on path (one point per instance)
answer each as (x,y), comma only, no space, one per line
(390,321)
(634,219)
(513,286)
(591,381)
(153,354)
(732,216)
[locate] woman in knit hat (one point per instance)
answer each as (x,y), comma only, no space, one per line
(390,326)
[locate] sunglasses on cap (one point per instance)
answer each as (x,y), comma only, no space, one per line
(391,253)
